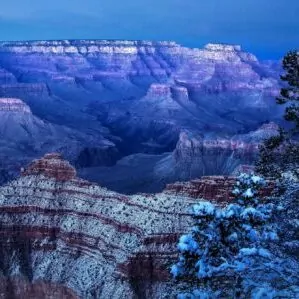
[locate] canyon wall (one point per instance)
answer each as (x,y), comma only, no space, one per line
(98,102)
(63,235)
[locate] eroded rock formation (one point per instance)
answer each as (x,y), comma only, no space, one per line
(53,166)
(64,237)
(13,105)
(98,101)
(218,188)
(61,230)
(213,188)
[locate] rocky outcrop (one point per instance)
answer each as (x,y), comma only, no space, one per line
(64,237)
(84,46)
(53,166)
(213,188)
(221,68)
(13,105)
(198,155)
(24,289)
(60,230)
(97,101)
(159,100)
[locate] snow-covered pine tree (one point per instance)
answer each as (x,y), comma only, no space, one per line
(280,154)
(226,244)
(290,92)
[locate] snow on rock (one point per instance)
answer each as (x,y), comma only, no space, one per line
(51,165)
(214,188)
(64,230)
(13,105)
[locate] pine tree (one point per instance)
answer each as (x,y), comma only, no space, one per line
(280,154)
(269,162)
(227,247)
(290,94)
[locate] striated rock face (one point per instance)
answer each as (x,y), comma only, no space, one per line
(52,166)
(21,89)
(13,105)
(72,239)
(98,101)
(84,46)
(215,188)
(97,60)
(197,155)
(100,58)
(212,188)
(23,289)
(63,237)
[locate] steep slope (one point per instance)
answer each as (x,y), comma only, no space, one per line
(64,237)
(136,97)
(23,136)
(72,236)
(195,155)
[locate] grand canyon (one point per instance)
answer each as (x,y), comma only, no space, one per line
(135,115)
(104,147)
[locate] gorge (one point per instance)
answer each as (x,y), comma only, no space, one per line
(147,112)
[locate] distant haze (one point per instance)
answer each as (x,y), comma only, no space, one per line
(266,28)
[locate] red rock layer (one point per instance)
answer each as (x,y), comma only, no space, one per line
(214,188)
(22,289)
(217,188)
(153,260)
(99,243)
(51,165)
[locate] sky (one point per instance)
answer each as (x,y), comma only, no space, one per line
(267,28)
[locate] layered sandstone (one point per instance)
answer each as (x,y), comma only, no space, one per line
(13,105)
(53,166)
(21,89)
(197,155)
(138,96)
(83,46)
(218,188)
(212,188)
(58,229)
(63,237)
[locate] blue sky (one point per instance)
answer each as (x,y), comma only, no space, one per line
(268,28)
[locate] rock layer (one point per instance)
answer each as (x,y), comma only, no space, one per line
(98,101)
(218,188)
(65,237)
(196,155)
(22,289)
(13,105)
(212,188)
(60,229)
(53,166)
